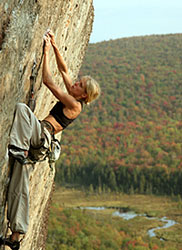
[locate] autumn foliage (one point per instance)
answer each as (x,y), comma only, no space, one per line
(129,139)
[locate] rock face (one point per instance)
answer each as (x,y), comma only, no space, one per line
(23,23)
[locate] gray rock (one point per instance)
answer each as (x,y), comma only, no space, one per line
(22,25)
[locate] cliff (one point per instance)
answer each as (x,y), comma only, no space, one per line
(23,23)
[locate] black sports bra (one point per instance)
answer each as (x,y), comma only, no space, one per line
(57,113)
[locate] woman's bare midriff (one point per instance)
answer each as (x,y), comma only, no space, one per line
(70,114)
(54,123)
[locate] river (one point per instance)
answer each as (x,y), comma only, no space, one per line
(130,215)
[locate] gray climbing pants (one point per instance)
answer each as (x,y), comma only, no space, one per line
(25,131)
(18,198)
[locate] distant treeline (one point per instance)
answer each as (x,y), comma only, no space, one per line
(104,178)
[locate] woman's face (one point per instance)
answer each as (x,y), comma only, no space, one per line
(79,88)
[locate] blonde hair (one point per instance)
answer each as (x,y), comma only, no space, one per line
(92,89)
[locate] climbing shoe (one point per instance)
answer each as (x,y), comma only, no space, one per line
(18,154)
(15,245)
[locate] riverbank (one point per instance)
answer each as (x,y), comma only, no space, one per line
(136,228)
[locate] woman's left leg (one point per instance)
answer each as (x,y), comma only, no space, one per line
(26,128)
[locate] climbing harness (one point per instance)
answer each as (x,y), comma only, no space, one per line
(52,153)
(45,150)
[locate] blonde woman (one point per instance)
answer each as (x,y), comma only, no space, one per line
(28,132)
(70,104)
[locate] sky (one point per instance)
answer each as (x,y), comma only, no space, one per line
(126,18)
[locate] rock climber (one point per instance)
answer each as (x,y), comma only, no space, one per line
(29,135)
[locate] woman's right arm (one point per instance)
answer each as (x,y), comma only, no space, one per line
(68,100)
(62,67)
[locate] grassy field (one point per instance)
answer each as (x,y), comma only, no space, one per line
(133,232)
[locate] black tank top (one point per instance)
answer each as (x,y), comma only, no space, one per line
(57,113)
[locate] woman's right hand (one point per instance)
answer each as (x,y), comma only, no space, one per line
(51,35)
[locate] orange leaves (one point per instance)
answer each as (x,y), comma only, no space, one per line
(132,124)
(136,243)
(142,77)
(172,98)
(155,247)
(179,125)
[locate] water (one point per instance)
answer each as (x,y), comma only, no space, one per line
(93,208)
(130,215)
(169,223)
(126,216)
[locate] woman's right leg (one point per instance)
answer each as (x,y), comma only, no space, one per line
(18,198)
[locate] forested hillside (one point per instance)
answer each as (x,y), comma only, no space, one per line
(130,139)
